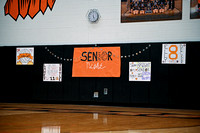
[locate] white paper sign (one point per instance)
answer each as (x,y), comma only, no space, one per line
(173,53)
(139,71)
(25,56)
(52,72)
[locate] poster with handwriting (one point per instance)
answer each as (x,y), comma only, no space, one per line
(173,53)
(52,72)
(25,56)
(139,71)
(97,62)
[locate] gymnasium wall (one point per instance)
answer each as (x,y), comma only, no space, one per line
(171,85)
(67,23)
(66,26)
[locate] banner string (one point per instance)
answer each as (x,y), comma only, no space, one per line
(122,56)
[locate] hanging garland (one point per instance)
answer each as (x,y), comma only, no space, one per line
(70,59)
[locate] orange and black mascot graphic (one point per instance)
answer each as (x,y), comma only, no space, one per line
(27,7)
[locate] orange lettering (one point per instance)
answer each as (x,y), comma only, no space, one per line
(173,52)
(28,55)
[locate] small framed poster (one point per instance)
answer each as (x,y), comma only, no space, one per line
(139,71)
(52,72)
(25,56)
(173,53)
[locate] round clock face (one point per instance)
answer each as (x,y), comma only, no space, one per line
(93,15)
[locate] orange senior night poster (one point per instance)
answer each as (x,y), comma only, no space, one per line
(97,62)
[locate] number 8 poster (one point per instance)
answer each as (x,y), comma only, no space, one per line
(173,53)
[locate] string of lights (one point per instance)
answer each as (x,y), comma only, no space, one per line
(69,59)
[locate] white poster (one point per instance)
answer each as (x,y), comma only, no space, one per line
(25,56)
(139,71)
(52,72)
(173,53)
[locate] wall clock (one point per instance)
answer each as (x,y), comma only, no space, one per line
(93,15)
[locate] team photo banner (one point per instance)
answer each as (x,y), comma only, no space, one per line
(97,62)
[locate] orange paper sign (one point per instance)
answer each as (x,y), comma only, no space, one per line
(97,62)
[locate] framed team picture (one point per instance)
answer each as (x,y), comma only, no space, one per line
(52,72)
(150,10)
(194,9)
(25,56)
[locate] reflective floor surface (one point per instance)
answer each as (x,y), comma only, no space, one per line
(64,118)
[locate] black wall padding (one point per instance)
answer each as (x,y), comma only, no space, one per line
(158,92)
(140,90)
(70,85)
(121,86)
(170,86)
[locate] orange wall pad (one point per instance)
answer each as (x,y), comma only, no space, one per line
(97,62)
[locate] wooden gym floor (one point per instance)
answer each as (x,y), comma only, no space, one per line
(64,118)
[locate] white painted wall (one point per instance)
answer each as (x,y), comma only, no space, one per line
(67,24)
